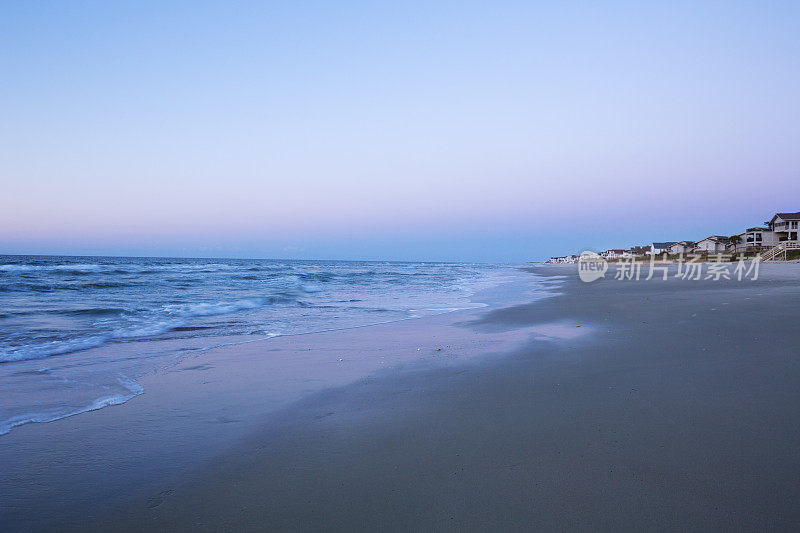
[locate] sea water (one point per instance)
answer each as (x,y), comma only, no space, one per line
(77,332)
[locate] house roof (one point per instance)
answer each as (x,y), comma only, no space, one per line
(786,216)
(663,245)
(752,229)
(718,238)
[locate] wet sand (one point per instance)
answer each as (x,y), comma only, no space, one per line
(71,471)
(676,406)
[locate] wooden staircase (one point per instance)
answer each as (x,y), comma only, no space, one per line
(773,253)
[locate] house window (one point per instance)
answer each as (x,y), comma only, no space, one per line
(758,237)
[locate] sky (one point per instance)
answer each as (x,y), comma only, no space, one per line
(435,131)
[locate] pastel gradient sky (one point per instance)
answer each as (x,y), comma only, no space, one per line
(487,131)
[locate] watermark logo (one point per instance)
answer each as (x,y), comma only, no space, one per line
(591,267)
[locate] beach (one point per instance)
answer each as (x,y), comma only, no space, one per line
(635,404)
(399,266)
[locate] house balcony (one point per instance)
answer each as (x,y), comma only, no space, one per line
(748,247)
(785,226)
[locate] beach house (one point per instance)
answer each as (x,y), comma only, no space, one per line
(563,259)
(785,226)
(713,244)
(753,240)
(682,247)
(658,248)
(612,254)
(634,251)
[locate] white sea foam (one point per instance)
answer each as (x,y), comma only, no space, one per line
(83,267)
(210,309)
(39,351)
(146,330)
(152,323)
(132,388)
(17,268)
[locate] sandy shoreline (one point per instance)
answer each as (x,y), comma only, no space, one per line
(76,469)
(675,405)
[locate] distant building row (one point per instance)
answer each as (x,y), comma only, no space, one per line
(780,228)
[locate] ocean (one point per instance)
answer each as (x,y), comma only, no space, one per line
(76,333)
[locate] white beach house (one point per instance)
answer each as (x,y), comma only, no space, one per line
(785,226)
(612,254)
(753,240)
(713,244)
(658,248)
(634,251)
(563,259)
(682,247)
